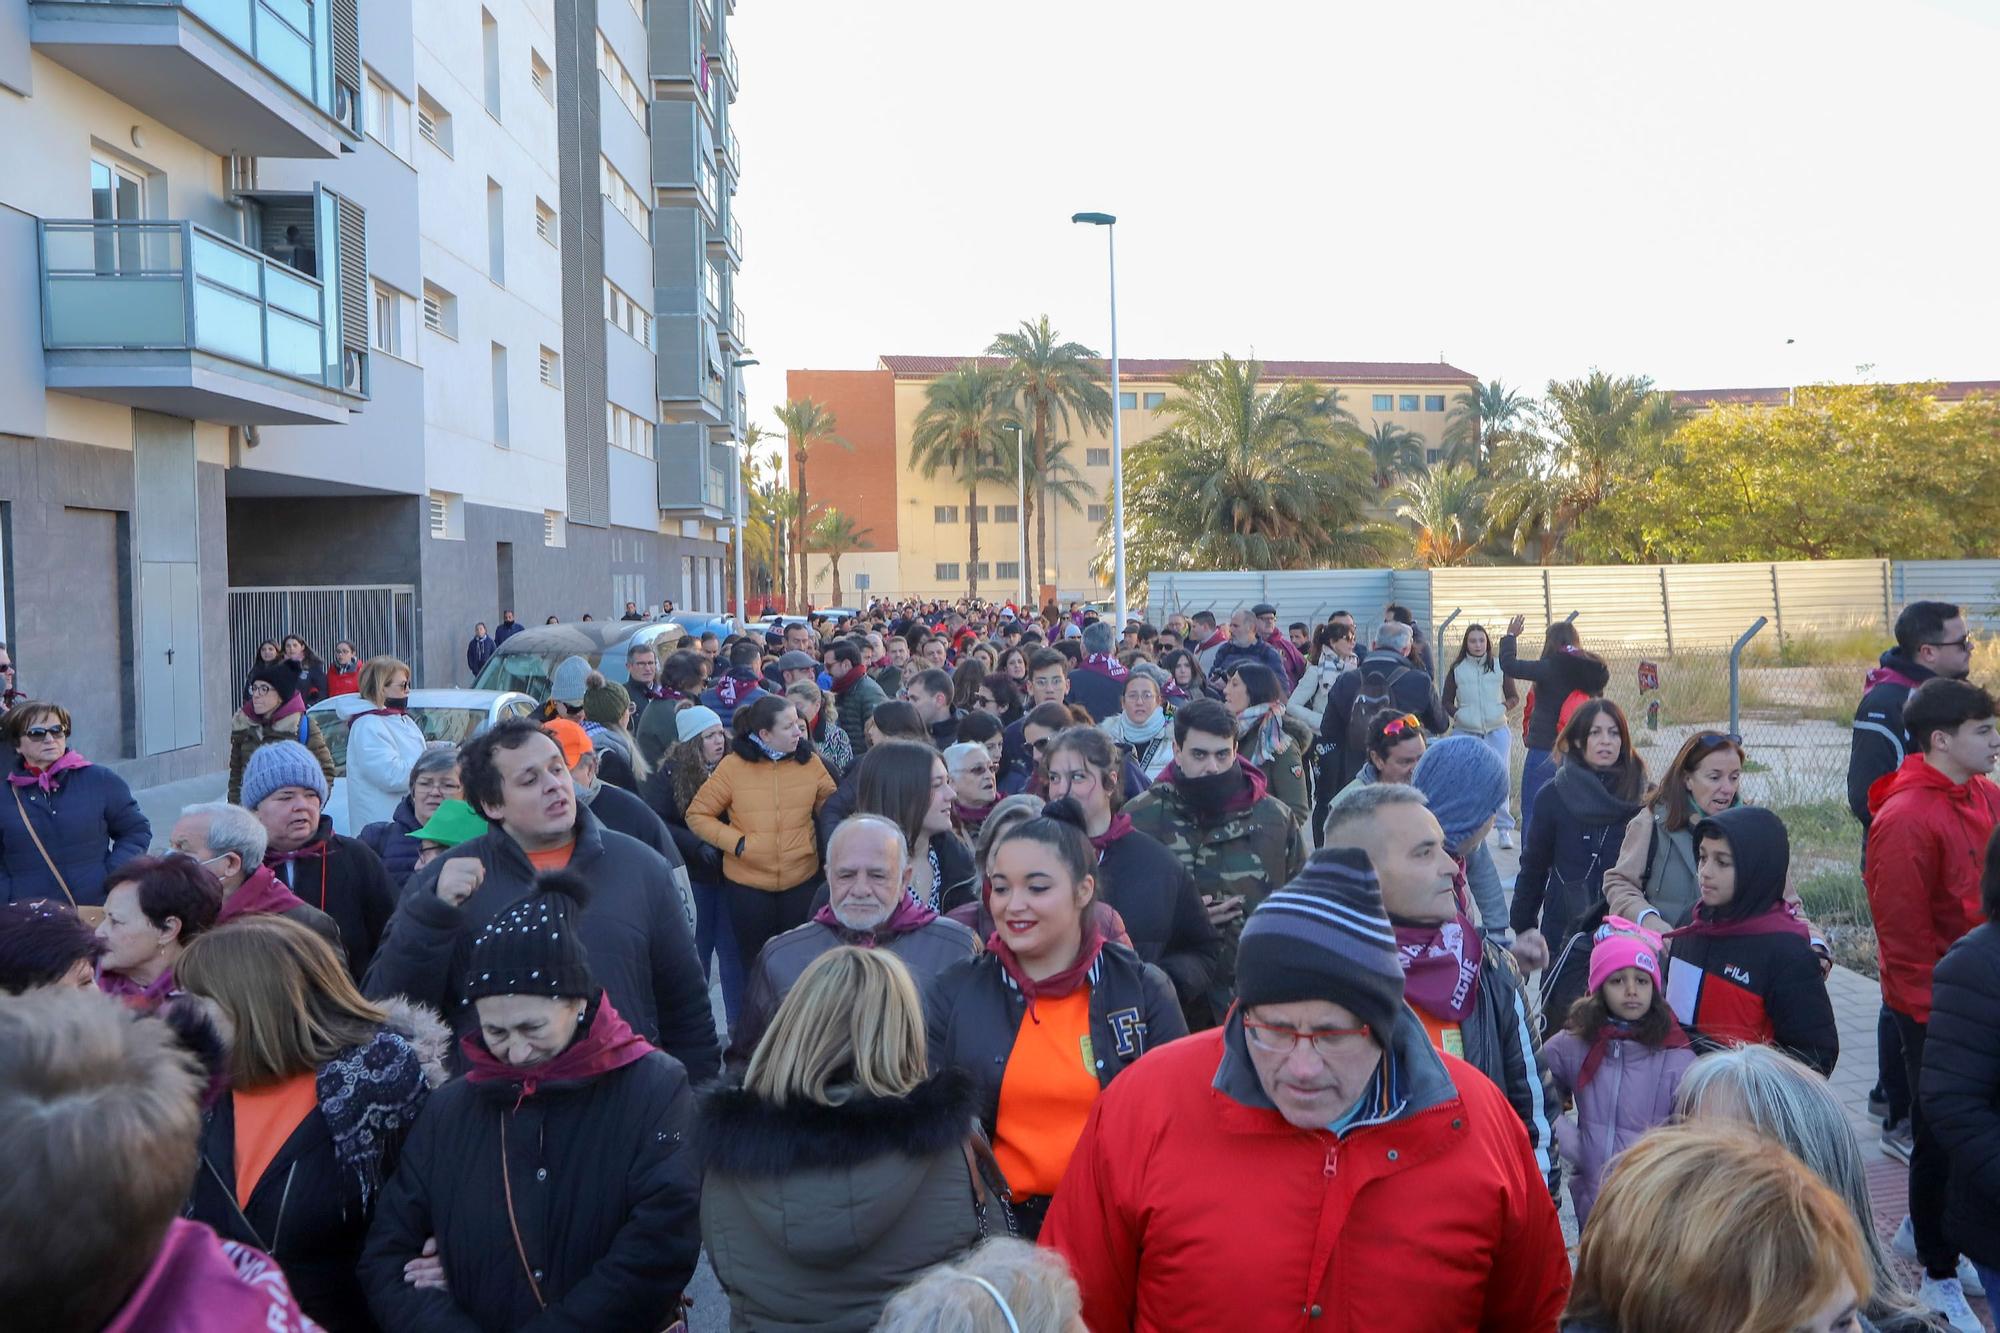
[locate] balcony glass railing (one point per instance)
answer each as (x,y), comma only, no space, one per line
(736,323)
(137,286)
(716,492)
(291,38)
(729,65)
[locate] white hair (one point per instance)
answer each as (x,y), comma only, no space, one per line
(1393,636)
(1003,1285)
(956,756)
(231,828)
(858,822)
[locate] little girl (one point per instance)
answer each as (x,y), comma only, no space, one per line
(1619,1059)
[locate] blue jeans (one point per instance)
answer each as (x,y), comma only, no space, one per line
(713,935)
(1535,774)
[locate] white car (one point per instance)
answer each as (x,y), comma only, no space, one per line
(444,715)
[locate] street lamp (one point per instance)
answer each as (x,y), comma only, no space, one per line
(1021,506)
(1109,223)
(742,587)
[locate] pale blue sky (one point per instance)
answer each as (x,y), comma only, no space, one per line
(1529,189)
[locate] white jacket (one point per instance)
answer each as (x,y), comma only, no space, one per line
(1308,701)
(1480,704)
(380,751)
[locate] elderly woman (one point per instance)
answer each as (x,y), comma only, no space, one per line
(433,781)
(1143,726)
(155,908)
(383,742)
(65,824)
(273,710)
(553,1186)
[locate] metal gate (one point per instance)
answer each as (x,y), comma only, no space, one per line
(377,618)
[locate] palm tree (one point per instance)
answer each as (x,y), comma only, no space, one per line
(835,536)
(1050,380)
(965,428)
(1481,419)
(1396,451)
(808,424)
(1445,508)
(781,503)
(1245,478)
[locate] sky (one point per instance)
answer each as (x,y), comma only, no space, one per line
(1757,192)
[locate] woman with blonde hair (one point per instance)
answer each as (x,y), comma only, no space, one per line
(816,710)
(1004,1286)
(383,742)
(839,1171)
(1705,1229)
(323,1087)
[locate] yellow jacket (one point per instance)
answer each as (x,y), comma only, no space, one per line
(768,842)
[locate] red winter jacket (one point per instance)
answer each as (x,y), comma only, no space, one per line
(1926,847)
(1186,1206)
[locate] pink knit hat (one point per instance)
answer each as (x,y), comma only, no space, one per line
(1620,943)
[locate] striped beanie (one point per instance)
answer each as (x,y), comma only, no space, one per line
(1325,936)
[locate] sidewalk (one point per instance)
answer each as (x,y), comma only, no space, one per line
(163,804)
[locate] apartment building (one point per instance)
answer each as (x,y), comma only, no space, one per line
(916,526)
(346,319)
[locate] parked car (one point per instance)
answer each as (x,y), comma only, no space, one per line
(527,660)
(698,623)
(443,715)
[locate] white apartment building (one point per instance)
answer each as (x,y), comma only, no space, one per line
(350,319)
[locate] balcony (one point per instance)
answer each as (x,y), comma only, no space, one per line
(725,240)
(724,63)
(732,153)
(689,463)
(171,317)
(689,365)
(677,33)
(256,78)
(684,157)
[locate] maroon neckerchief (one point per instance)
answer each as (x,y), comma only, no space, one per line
(1441,967)
(842,684)
(291,707)
(906,916)
(1062,983)
(972,816)
(317,848)
(1777,919)
(1121,824)
(1104,664)
(1613,1030)
(45,778)
(263,893)
(610,1043)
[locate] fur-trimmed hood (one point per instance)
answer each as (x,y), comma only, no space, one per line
(740,1134)
(427,1034)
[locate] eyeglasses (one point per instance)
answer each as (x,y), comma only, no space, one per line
(1397,726)
(46,733)
(449,785)
(1964,641)
(1326,1042)
(985,701)
(6,668)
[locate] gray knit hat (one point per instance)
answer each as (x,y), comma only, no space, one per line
(1325,936)
(570,679)
(1465,782)
(279,764)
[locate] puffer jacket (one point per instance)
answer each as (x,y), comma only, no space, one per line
(1879,743)
(1631,1092)
(381,749)
(1476,698)
(814,1216)
(854,706)
(1926,847)
(1655,873)
(392,844)
(1961,1088)
(1578,827)
(1555,678)
(768,842)
(246,734)
(90,825)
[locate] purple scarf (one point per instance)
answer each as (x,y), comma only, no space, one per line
(1441,967)
(907,915)
(45,778)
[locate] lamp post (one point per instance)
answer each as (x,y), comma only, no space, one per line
(742,502)
(1110,225)
(1021,506)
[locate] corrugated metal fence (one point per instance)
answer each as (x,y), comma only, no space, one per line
(376,619)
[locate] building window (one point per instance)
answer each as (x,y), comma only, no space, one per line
(440,310)
(540,77)
(621,194)
(628,430)
(944,514)
(621,81)
(1097,458)
(947,572)
(489,47)
(545,222)
(433,123)
(628,314)
(1006,513)
(981,571)
(1384,402)
(500,431)
(388,117)
(711,286)
(447,516)
(395,322)
(496,231)
(1007,569)
(1095,513)
(555,528)
(978,512)
(1128,401)
(1155,401)
(1433,402)
(1407,403)
(550,368)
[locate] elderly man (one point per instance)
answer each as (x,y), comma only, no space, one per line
(1244,647)
(1384,678)
(642,679)
(1315,1158)
(974,784)
(1098,683)
(230,841)
(868,903)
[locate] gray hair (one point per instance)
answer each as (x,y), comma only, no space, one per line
(1784,1100)
(231,828)
(1392,636)
(1097,637)
(859,822)
(437,757)
(1002,1284)
(1148,671)
(1003,816)
(1359,803)
(956,755)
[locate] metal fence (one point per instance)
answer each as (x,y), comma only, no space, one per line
(379,618)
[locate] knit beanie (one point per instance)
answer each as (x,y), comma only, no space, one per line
(1618,944)
(279,764)
(570,679)
(1325,936)
(1465,782)
(278,676)
(693,720)
(605,702)
(532,948)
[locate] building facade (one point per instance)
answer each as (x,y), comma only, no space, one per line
(916,526)
(343,319)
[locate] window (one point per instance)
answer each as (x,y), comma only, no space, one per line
(628,314)
(981,571)
(1095,513)
(489,46)
(447,516)
(1407,403)
(979,512)
(545,222)
(711,286)
(947,572)
(1433,402)
(1155,401)
(944,514)
(555,528)
(1006,513)
(496,231)
(388,117)
(1128,401)
(440,310)
(621,81)
(1097,458)
(628,430)
(550,368)
(540,77)
(395,322)
(621,194)
(1383,402)
(433,123)
(500,395)
(1007,569)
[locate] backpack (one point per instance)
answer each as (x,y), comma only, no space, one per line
(1373,696)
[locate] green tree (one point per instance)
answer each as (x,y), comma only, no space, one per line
(1051,381)
(965,429)
(1445,508)
(1481,420)
(808,425)
(1395,452)
(835,536)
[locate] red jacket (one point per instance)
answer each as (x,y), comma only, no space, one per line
(343,682)
(1926,848)
(1187,1207)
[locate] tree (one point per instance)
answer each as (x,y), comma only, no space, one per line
(781,503)
(1481,420)
(1445,509)
(835,536)
(1050,380)
(964,428)
(1396,451)
(808,424)
(1245,478)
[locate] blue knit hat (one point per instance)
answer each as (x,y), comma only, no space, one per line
(1325,936)
(281,764)
(1465,783)
(570,680)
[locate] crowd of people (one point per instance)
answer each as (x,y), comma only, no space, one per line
(1072,976)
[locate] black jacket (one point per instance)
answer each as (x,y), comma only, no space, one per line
(1878,742)
(622,812)
(1578,828)
(1164,918)
(390,841)
(702,859)
(1413,692)
(838,807)
(1502,1038)
(349,884)
(1555,679)
(1770,981)
(635,928)
(1961,1088)
(606,1195)
(478,649)
(1099,693)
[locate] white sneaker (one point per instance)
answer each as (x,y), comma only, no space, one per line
(1506,840)
(1947,1298)
(1904,1245)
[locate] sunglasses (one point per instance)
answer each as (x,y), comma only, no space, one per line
(45,733)
(6,668)
(1397,726)
(1965,642)
(1716,739)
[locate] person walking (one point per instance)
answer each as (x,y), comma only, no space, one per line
(1269,738)
(1654,875)
(841,1169)
(383,742)
(1559,675)
(909,786)
(479,649)
(335,873)
(343,674)
(229,842)
(554,1185)
(273,710)
(1244,645)
(1098,681)
(154,908)
(739,686)
(66,824)
(433,781)
(1481,701)
(1384,678)
(607,719)
(1931,641)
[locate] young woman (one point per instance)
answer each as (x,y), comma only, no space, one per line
(343,674)
(66,824)
(383,742)
(828,740)
(758,807)
(987,730)
(154,908)
(908,785)
(323,1088)
(267,653)
(999,695)
(1562,671)
(553,1186)
(306,668)
(1480,700)
(433,781)
(839,1135)
(1332,655)
(1015,1017)
(1144,726)
(1014,666)
(1396,742)
(1571,841)
(1186,683)
(671,788)
(273,710)
(1276,743)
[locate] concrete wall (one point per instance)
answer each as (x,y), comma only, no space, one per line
(311,540)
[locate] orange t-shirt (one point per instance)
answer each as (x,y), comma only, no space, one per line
(1445,1036)
(265,1118)
(555,858)
(1046,1094)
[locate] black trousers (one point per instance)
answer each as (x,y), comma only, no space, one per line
(755,915)
(1930,1166)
